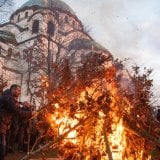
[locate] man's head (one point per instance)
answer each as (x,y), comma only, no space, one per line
(15,90)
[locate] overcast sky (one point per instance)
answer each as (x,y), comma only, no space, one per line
(127,28)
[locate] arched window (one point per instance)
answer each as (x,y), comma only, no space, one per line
(10,52)
(51,28)
(66,19)
(35,26)
(18,18)
(0,50)
(73,23)
(26,14)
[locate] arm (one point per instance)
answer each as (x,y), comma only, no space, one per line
(13,106)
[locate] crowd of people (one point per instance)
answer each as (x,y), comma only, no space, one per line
(14,121)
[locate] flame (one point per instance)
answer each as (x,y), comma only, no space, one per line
(61,123)
(44,80)
(117,139)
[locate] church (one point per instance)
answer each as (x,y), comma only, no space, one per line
(40,34)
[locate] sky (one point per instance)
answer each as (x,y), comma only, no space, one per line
(127,28)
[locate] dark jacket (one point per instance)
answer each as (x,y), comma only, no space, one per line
(158,115)
(8,108)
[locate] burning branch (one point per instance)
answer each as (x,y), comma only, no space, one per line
(108,149)
(57,140)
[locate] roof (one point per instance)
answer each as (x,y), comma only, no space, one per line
(7,37)
(52,4)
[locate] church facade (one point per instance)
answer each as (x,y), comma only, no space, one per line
(43,32)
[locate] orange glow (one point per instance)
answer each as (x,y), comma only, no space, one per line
(93,139)
(118,140)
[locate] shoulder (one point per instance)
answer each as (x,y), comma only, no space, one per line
(6,94)
(5,97)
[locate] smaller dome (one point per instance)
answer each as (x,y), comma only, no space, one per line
(7,37)
(52,4)
(78,44)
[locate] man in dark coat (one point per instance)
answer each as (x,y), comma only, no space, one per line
(158,115)
(23,132)
(9,106)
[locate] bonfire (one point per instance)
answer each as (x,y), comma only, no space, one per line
(105,115)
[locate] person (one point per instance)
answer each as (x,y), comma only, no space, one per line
(17,126)
(158,114)
(12,133)
(24,131)
(10,106)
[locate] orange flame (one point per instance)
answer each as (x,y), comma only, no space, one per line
(116,139)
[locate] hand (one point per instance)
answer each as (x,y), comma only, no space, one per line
(34,113)
(26,104)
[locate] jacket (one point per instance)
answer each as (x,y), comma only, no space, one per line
(8,108)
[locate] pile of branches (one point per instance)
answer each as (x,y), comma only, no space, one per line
(106,97)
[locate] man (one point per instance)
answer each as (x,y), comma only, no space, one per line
(24,131)
(158,114)
(16,129)
(9,106)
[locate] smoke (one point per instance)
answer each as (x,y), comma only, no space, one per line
(128,29)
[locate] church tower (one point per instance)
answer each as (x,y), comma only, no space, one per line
(41,34)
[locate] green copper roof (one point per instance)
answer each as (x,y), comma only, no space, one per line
(7,37)
(52,4)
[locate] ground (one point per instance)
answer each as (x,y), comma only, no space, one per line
(14,156)
(17,156)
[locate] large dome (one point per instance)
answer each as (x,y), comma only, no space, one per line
(52,4)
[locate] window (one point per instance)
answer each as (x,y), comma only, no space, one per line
(51,28)
(73,23)
(26,14)
(10,52)
(66,19)
(35,27)
(18,18)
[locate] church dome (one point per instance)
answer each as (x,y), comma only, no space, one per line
(78,44)
(52,4)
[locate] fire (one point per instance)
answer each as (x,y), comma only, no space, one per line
(91,141)
(61,123)
(118,140)
(100,132)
